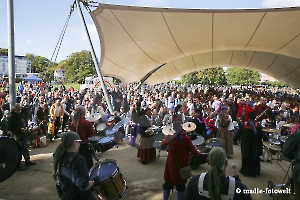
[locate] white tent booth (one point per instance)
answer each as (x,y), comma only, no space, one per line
(164,43)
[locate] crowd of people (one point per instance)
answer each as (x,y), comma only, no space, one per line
(231,114)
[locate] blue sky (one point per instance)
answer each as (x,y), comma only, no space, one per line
(38,23)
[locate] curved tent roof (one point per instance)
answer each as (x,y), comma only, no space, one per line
(137,40)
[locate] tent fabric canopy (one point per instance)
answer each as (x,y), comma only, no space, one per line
(137,40)
(32,78)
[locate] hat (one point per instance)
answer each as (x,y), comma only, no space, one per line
(68,138)
(189,126)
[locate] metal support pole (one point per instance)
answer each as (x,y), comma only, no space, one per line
(11,53)
(94,58)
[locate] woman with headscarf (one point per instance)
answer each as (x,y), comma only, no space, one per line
(70,170)
(225,130)
(182,147)
(251,146)
(215,184)
(85,130)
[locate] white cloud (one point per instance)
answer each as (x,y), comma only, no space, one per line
(280,3)
(28,41)
(92,31)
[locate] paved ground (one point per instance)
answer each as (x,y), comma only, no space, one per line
(143,181)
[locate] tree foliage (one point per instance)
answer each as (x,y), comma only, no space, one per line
(3,52)
(274,84)
(211,76)
(38,63)
(240,76)
(78,66)
(41,65)
(190,78)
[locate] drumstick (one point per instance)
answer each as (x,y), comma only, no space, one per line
(233,165)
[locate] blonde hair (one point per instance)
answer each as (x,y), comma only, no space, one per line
(77,115)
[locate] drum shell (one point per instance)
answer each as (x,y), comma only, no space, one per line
(202,159)
(112,185)
(106,143)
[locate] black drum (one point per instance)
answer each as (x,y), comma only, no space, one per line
(196,161)
(106,143)
(95,139)
(10,157)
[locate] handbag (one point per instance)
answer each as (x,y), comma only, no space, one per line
(184,172)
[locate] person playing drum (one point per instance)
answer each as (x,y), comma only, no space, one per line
(85,130)
(70,169)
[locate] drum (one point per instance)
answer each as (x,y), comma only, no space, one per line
(198,141)
(101,127)
(283,138)
(10,158)
(106,143)
(157,145)
(196,161)
(110,121)
(275,141)
(112,185)
(95,139)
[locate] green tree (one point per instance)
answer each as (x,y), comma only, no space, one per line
(190,78)
(274,84)
(3,52)
(210,76)
(78,66)
(240,76)
(39,64)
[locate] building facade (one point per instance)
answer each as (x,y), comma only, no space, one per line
(22,66)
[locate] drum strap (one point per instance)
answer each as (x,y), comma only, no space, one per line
(69,162)
(231,188)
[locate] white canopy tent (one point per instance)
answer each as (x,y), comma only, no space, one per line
(137,40)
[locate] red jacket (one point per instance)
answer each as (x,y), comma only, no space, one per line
(247,110)
(210,123)
(182,149)
(85,129)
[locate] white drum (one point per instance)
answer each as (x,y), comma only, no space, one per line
(101,127)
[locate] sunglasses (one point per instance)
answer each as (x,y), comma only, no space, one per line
(78,141)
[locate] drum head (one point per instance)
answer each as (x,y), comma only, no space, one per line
(198,141)
(10,158)
(101,127)
(107,169)
(94,139)
(106,139)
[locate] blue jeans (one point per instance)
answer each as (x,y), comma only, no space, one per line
(24,149)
